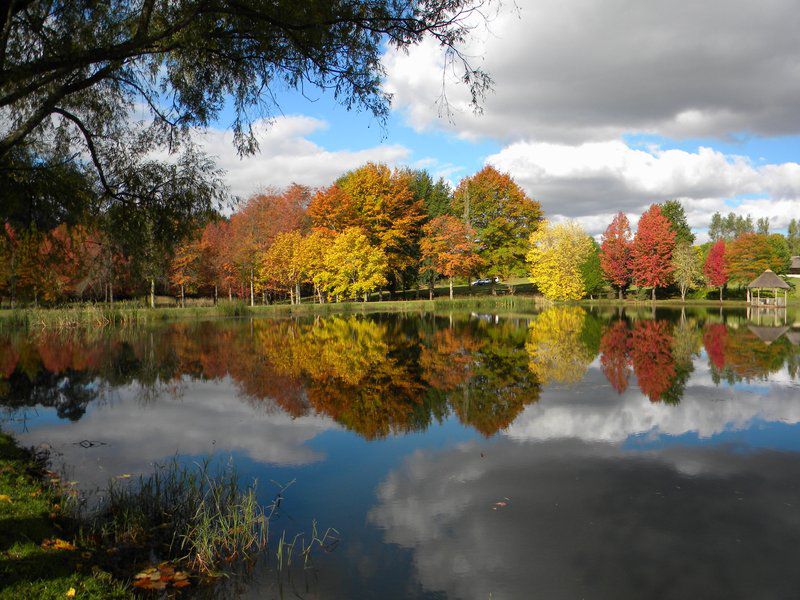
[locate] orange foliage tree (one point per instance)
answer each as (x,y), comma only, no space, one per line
(380,202)
(449,245)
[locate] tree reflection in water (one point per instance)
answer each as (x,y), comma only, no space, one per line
(379,375)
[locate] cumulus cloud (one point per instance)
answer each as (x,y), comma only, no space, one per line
(578,70)
(572,181)
(706,409)
(286,155)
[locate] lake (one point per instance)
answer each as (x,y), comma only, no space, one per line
(567,454)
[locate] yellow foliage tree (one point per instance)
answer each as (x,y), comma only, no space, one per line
(555,257)
(281,266)
(352,267)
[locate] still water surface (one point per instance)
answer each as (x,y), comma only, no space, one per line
(632,455)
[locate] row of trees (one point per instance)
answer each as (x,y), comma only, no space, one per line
(374,229)
(661,253)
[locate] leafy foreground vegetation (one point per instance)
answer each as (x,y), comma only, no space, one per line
(179,527)
(36,561)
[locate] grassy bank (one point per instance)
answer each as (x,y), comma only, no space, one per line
(38,554)
(476,299)
(98,315)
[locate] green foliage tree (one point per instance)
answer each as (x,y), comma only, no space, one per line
(503,217)
(673,210)
(729,227)
(793,237)
(592,271)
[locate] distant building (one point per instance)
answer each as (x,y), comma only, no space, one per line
(794,267)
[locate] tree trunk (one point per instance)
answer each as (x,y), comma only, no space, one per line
(430,288)
(720,293)
(451,288)
(152,293)
(263,297)
(291,296)
(252,290)
(365,297)
(111,293)
(683,294)
(297,292)
(230,294)
(215,294)
(183,297)
(620,294)
(654,294)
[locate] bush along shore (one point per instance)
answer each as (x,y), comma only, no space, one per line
(180,527)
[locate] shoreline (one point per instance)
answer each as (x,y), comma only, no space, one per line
(127,314)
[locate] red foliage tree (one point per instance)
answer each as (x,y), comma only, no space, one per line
(615,253)
(651,250)
(615,355)
(715,267)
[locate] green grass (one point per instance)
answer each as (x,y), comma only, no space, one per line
(99,315)
(27,507)
(185,514)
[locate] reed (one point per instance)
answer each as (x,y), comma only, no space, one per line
(190,514)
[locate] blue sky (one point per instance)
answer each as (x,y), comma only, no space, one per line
(596,108)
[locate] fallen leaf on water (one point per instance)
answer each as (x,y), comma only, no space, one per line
(5,498)
(501,503)
(71,593)
(124,476)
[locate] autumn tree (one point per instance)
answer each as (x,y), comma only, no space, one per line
(715,268)
(651,251)
(352,267)
(555,257)
(615,253)
(281,266)
(687,271)
(311,257)
(255,226)
(502,215)
(185,266)
(450,247)
(751,254)
(380,202)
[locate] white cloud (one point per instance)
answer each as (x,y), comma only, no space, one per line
(706,409)
(577,70)
(572,181)
(207,417)
(286,155)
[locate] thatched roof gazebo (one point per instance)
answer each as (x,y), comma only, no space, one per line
(767,281)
